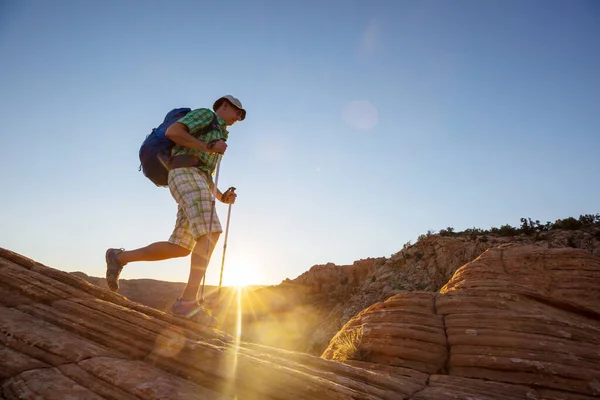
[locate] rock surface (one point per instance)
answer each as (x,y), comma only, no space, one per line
(520,321)
(63,338)
(150,292)
(304,313)
(337,293)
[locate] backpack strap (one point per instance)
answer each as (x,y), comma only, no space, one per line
(213,125)
(182,161)
(186,160)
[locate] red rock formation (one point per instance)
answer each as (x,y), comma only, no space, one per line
(524,317)
(330,281)
(337,293)
(519,322)
(63,338)
(303,314)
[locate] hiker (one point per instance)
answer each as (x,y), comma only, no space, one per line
(191,187)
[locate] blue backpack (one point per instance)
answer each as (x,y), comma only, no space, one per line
(155,151)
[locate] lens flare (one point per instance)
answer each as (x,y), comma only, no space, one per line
(360,114)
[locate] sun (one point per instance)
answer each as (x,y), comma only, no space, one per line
(240,275)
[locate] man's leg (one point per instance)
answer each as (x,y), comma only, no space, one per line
(198,265)
(116,259)
(190,187)
(153,252)
(180,244)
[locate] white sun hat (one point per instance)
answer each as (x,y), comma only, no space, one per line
(235,101)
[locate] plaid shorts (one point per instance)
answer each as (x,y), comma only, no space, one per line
(190,187)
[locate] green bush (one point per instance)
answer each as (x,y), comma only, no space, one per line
(449,231)
(528,227)
(589,219)
(569,224)
(507,230)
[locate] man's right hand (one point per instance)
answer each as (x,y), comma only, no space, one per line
(218,146)
(180,134)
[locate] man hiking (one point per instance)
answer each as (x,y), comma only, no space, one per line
(192,188)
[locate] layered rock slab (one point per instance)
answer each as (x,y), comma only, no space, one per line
(515,323)
(63,338)
(517,315)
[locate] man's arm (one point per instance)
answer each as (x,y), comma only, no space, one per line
(180,134)
(227,197)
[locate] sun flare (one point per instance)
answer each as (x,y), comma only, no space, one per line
(240,276)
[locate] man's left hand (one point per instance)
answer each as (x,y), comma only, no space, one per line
(229,196)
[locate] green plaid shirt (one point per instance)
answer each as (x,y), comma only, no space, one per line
(195,120)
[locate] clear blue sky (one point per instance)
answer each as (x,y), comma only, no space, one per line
(369,123)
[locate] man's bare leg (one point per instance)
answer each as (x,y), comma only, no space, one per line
(116,259)
(153,252)
(198,265)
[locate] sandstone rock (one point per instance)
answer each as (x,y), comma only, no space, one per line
(305,313)
(63,338)
(518,322)
(150,292)
(426,265)
(521,316)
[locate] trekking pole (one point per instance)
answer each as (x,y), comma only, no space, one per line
(224,251)
(212,211)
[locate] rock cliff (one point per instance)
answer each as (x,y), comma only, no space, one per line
(519,315)
(518,322)
(304,313)
(149,292)
(338,293)
(62,338)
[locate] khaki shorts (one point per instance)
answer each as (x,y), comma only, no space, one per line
(190,187)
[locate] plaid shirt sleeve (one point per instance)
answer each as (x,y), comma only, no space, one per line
(196,120)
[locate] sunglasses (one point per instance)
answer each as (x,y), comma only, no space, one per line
(238,112)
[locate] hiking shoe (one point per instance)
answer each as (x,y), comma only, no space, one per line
(193,311)
(113,268)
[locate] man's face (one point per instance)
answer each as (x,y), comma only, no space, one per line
(232,114)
